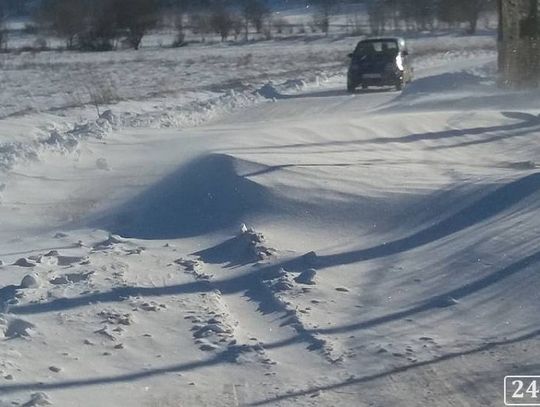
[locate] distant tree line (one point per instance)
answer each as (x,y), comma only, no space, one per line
(425,14)
(96,25)
(102,24)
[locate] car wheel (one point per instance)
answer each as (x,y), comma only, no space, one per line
(364,86)
(350,88)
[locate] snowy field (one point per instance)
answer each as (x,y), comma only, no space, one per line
(235,229)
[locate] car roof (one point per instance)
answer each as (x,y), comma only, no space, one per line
(377,39)
(399,40)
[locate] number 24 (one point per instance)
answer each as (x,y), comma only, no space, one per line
(532,390)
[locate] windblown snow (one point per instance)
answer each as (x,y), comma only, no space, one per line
(266,238)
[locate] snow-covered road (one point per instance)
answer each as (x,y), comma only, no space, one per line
(393,257)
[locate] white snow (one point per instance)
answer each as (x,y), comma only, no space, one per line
(247,233)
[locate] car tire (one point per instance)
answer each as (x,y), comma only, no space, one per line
(364,86)
(351,88)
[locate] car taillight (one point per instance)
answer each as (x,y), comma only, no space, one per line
(399,62)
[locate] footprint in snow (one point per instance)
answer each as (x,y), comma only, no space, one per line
(18,328)
(342,289)
(207,347)
(71,278)
(38,399)
(116,318)
(69,260)
(189,265)
(445,302)
(307,277)
(25,262)
(108,243)
(105,332)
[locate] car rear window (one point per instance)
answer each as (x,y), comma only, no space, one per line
(369,47)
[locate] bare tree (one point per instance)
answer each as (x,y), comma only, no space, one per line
(323,14)
(280,24)
(393,10)
(136,17)
(3,30)
(201,24)
(222,22)
(95,25)
(377,17)
(238,26)
(463,11)
(176,13)
(354,23)
(67,19)
(101,28)
(255,13)
(519,46)
(179,26)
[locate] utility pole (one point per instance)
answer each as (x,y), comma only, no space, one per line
(500,36)
(519,43)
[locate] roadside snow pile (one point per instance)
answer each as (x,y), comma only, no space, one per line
(276,91)
(205,106)
(182,113)
(62,142)
(447,82)
(188,110)
(298,84)
(98,129)
(463,86)
(11,153)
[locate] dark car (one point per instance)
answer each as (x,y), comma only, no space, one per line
(379,62)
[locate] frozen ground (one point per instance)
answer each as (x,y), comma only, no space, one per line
(282,244)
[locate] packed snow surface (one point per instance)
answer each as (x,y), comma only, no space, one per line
(276,242)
